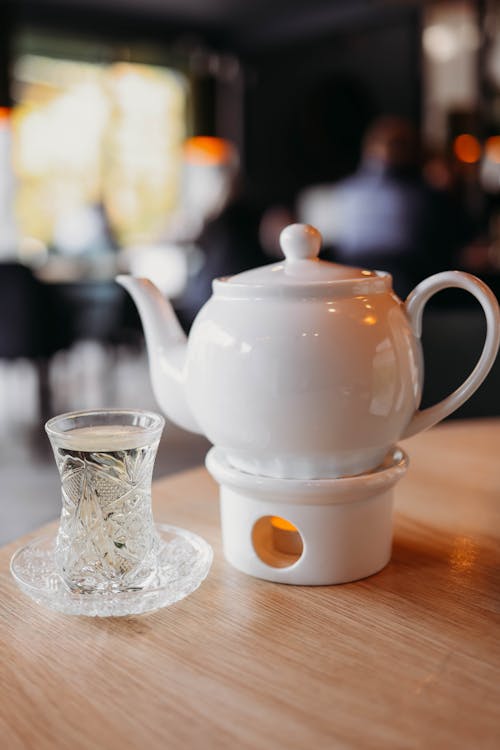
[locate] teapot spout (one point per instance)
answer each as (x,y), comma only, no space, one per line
(167,348)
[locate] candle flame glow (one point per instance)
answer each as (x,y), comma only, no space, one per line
(281,523)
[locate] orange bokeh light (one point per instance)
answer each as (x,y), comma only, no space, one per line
(492,148)
(5,113)
(208,150)
(467,148)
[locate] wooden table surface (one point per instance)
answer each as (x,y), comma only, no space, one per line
(409,658)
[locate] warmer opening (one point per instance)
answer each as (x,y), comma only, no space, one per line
(277,542)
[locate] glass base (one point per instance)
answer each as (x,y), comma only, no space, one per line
(183,563)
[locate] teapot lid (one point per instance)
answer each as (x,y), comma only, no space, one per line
(302,272)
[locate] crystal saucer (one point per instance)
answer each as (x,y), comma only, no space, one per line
(183,563)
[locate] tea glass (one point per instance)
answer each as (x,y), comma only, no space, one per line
(108,557)
(107,540)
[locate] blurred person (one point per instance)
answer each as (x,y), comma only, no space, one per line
(221,222)
(438,173)
(385,216)
(210,167)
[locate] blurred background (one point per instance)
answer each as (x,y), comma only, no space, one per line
(175,140)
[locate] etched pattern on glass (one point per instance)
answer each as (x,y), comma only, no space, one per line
(107,540)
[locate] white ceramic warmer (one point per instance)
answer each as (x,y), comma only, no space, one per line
(310,532)
(303,369)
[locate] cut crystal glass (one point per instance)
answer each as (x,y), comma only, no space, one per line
(108,557)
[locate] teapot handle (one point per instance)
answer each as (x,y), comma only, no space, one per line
(415,303)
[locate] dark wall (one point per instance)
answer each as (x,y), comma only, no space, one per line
(309,103)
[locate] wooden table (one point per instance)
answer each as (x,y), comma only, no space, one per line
(409,658)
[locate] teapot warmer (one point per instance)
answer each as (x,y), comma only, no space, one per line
(307,532)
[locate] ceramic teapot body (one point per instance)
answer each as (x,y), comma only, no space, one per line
(325,400)
(303,375)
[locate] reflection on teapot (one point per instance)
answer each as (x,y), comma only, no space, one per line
(303,369)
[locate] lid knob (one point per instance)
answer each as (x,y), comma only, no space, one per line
(300,242)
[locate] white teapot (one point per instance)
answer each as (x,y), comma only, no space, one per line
(303,369)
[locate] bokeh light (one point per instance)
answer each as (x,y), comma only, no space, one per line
(467,148)
(492,149)
(87,134)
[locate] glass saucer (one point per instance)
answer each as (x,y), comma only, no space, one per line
(183,563)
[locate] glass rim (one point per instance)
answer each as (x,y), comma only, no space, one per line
(151,431)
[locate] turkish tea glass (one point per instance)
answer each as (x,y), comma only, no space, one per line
(107,541)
